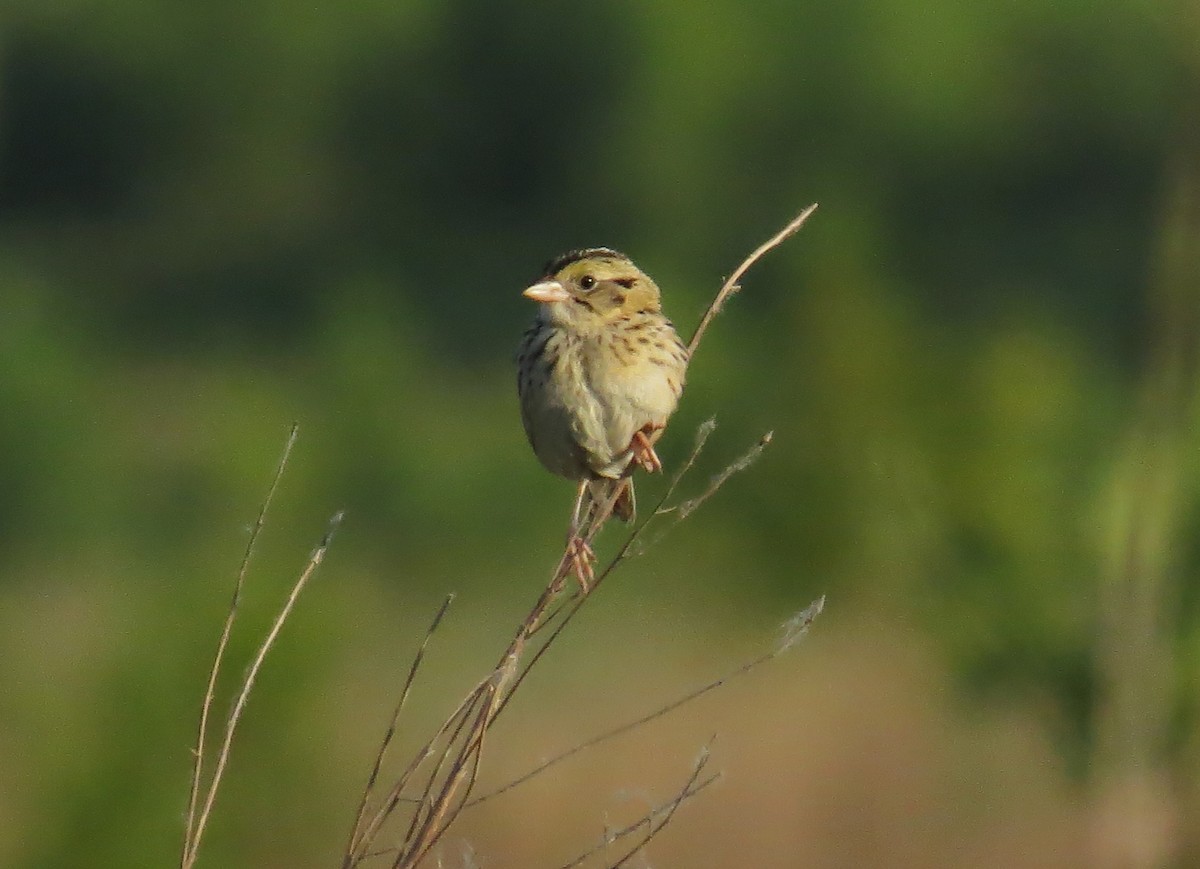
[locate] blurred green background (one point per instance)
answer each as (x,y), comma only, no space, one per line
(979,360)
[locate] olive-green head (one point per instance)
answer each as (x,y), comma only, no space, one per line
(594,283)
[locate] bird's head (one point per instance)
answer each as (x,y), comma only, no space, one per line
(596,285)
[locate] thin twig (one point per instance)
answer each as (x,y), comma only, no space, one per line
(353,846)
(239,706)
(690,788)
(191,837)
(466,769)
(449,783)
(703,432)
(793,629)
(731,284)
(458,744)
(685,508)
(426,826)
(689,506)
(685,792)
(454,727)
(425,834)
(573,605)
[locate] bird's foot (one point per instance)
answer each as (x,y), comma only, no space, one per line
(643,451)
(581,557)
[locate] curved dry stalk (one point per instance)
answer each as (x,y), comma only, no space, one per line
(666,811)
(453,726)
(352,847)
(731,285)
(455,751)
(793,629)
(449,783)
(239,705)
(200,807)
(191,839)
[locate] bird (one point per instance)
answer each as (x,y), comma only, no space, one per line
(599,372)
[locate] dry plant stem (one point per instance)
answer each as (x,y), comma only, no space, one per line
(454,727)
(690,788)
(422,835)
(537,618)
(684,509)
(191,834)
(687,507)
(357,832)
(569,608)
(449,804)
(239,706)
(457,747)
(731,284)
(795,628)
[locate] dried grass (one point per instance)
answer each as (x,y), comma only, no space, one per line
(400,819)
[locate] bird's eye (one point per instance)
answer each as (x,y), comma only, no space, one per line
(587,282)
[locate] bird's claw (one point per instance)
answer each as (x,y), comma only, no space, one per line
(581,558)
(643,452)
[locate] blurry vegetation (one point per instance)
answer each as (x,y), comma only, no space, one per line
(219,218)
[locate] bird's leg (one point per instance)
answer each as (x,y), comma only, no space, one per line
(643,450)
(579,552)
(576,519)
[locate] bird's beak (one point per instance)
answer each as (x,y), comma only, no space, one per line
(547,291)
